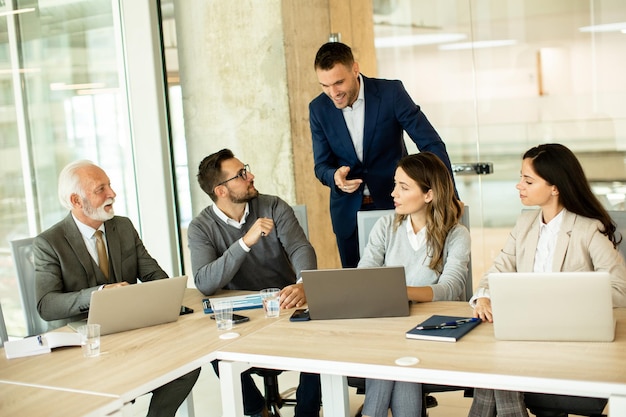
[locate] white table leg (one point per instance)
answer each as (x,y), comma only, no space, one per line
(617,406)
(335,398)
(187,409)
(230,385)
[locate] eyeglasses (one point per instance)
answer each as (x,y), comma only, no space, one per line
(243,173)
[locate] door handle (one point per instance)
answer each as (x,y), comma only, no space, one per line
(476,168)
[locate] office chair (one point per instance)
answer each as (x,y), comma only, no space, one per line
(365,222)
(4,336)
(300,212)
(274,398)
(22,250)
(551,405)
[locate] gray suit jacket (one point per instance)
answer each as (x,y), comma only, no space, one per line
(66,274)
(580,247)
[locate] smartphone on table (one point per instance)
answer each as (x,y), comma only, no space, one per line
(185,310)
(237,318)
(301,314)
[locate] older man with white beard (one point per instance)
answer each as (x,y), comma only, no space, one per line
(69,265)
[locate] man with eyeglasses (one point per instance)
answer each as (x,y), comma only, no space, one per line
(250,241)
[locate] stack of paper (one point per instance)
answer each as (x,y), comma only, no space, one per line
(37,345)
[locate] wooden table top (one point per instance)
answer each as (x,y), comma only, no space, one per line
(22,400)
(134,362)
(370,347)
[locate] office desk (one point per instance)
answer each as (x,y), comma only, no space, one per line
(131,363)
(22,400)
(369,347)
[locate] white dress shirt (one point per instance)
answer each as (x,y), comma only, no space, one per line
(234,223)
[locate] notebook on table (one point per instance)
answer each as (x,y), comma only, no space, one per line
(356,293)
(136,306)
(555,306)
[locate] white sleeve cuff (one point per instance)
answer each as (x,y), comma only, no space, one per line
(480,293)
(243,245)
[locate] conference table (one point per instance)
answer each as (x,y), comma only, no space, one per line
(131,363)
(24,400)
(370,347)
(135,362)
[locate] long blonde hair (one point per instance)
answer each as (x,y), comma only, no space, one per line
(443,212)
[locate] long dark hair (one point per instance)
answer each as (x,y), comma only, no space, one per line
(559,166)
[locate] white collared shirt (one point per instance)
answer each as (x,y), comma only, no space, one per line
(234,223)
(355,120)
(544,253)
(417,240)
(88,234)
(548,234)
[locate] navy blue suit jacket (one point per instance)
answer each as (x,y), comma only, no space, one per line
(389,110)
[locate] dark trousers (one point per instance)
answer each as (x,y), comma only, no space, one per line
(349,247)
(168,398)
(349,250)
(308,394)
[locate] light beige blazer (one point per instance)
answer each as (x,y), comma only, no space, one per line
(580,247)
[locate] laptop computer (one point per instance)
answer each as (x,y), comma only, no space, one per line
(356,293)
(555,306)
(136,306)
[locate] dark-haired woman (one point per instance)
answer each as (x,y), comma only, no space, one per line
(571,231)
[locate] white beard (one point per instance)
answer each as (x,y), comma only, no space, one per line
(99,213)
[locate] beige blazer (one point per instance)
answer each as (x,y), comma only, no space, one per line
(580,247)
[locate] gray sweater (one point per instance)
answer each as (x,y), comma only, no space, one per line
(387,247)
(219,261)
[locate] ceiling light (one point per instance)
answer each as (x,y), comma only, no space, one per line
(92,91)
(606,27)
(422,39)
(477,45)
(63,86)
(20,70)
(10,12)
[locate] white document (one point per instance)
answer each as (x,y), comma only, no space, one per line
(37,345)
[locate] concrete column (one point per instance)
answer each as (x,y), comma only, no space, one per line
(246,71)
(232,73)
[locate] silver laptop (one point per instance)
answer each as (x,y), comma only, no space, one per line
(356,293)
(136,306)
(556,306)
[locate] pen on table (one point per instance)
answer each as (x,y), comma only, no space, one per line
(448,325)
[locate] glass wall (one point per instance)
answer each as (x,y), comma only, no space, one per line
(498,77)
(494,77)
(63,98)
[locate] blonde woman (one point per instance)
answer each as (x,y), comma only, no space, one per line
(424,236)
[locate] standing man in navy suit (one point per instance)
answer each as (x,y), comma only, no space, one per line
(357,125)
